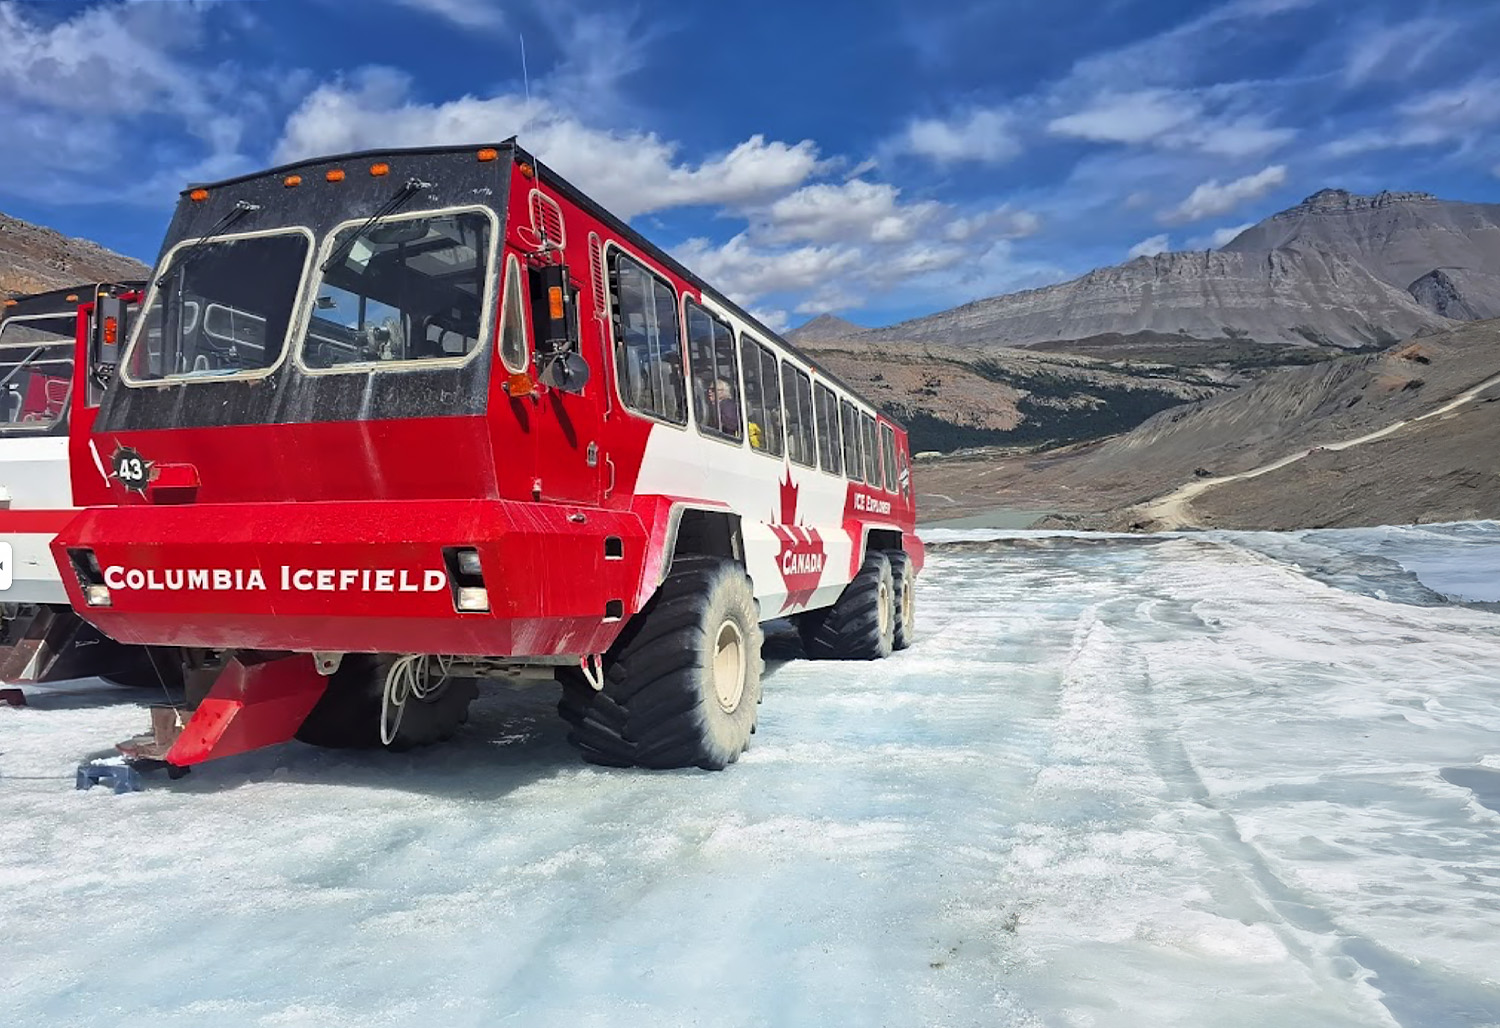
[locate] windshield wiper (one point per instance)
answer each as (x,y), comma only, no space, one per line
(412,188)
(195,250)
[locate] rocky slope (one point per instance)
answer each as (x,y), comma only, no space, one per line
(1451,470)
(35,259)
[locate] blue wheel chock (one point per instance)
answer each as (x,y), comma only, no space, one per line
(122,777)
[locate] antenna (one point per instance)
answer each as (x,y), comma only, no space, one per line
(525,76)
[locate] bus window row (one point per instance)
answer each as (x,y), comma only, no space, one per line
(779,410)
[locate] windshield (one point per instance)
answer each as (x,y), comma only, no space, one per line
(220,308)
(36,370)
(411,288)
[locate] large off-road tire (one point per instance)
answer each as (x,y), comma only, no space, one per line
(681,683)
(347,716)
(904,589)
(861,625)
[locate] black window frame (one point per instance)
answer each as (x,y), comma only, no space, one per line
(689,307)
(888,458)
(614,254)
(854,470)
(765,360)
(807,433)
(834,447)
(870,439)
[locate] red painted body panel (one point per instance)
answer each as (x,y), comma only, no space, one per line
(366,577)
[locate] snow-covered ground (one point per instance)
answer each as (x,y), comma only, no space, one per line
(1204,780)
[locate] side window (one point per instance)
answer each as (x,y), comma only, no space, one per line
(513,319)
(796,387)
(716,380)
(872,455)
(830,459)
(853,466)
(888,455)
(905,474)
(762,397)
(648,351)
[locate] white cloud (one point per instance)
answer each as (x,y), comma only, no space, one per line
(1222,236)
(979,135)
(746,272)
(1394,51)
(468,14)
(1151,247)
(1213,197)
(855,210)
(1461,115)
(629,172)
(1137,117)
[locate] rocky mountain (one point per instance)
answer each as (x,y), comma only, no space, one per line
(824,326)
(1338,270)
(35,259)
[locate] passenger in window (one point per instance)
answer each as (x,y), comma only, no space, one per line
(721,399)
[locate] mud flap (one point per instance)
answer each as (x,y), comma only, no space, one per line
(56,645)
(253,704)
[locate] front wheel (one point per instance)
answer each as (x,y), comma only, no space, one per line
(681,683)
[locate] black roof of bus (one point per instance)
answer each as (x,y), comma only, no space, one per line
(63,301)
(583,200)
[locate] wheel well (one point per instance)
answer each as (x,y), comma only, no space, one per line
(882,539)
(708,533)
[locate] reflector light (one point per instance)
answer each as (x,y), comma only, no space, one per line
(97,595)
(111,331)
(468,563)
(527,171)
(471,597)
(198,195)
(292,181)
(520,384)
(488,154)
(555,302)
(336,175)
(72,297)
(380,169)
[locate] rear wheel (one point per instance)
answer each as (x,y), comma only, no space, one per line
(681,683)
(861,625)
(353,712)
(903,581)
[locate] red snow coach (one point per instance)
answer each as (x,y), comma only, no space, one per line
(57,352)
(391,423)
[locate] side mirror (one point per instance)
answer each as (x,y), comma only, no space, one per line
(111,327)
(566,371)
(553,303)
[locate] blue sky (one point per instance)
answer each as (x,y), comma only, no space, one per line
(881,159)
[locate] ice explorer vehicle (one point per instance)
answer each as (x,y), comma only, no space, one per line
(56,352)
(391,423)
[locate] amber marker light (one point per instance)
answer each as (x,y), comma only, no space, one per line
(527,171)
(336,175)
(111,331)
(292,181)
(555,302)
(10,303)
(520,384)
(380,169)
(198,195)
(72,297)
(489,153)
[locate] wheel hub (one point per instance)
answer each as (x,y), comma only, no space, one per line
(885,609)
(729,666)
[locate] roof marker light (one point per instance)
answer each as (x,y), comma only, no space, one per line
(380,169)
(489,153)
(527,171)
(198,195)
(292,181)
(72,298)
(335,175)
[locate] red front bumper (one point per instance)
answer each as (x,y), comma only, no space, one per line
(351,577)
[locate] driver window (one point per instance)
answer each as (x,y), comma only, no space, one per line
(403,289)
